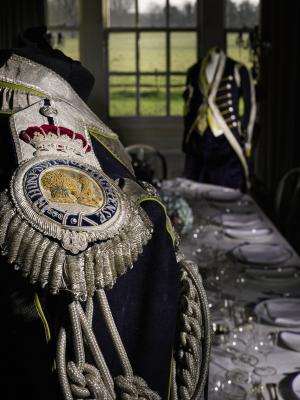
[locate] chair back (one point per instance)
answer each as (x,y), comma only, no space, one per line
(149,164)
(287,206)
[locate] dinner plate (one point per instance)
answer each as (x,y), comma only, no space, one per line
(289,387)
(222,194)
(273,287)
(289,340)
(261,253)
(236,207)
(239,233)
(279,273)
(237,220)
(285,286)
(279,312)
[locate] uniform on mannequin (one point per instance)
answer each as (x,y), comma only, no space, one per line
(216,135)
(94,291)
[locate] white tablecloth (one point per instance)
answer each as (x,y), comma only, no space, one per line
(254,291)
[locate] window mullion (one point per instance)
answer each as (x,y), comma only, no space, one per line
(106,71)
(198,24)
(137,60)
(142,104)
(168,63)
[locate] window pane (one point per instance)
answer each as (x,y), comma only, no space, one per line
(241,14)
(183,13)
(177,86)
(122,13)
(63,13)
(153,95)
(153,51)
(152,13)
(183,50)
(122,95)
(122,52)
(238,47)
(66,41)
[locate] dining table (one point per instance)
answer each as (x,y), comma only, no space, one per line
(251,275)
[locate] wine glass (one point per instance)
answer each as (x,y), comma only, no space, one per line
(197,236)
(218,235)
(248,380)
(222,388)
(216,279)
(264,345)
(242,337)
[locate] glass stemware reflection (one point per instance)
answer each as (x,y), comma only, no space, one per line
(248,380)
(216,280)
(264,345)
(197,236)
(242,338)
(222,388)
(240,354)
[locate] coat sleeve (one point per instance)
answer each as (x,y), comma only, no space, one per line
(187,97)
(247,92)
(192,99)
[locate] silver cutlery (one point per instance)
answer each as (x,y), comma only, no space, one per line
(272,390)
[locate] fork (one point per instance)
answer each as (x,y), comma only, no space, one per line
(272,389)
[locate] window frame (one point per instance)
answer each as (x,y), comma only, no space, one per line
(138,30)
(64,27)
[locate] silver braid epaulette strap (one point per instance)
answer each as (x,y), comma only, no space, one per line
(192,352)
(82,380)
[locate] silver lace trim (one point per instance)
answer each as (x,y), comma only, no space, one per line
(45,262)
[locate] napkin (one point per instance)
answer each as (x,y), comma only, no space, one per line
(287,321)
(289,387)
(250,232)
(263,253)
(284,312)
(291,340)
(296,386)
(273,273)
(234,220)
(223,194)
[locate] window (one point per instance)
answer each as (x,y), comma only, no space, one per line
(242,20)
(150,45)
(63,26)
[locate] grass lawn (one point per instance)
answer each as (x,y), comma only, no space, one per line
(122,58)
(70,46)
(238,53)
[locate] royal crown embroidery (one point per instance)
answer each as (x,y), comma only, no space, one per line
(55,138)
(64,222)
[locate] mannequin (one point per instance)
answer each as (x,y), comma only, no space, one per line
(211,66)
(217,139)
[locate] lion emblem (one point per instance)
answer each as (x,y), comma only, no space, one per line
(67,187)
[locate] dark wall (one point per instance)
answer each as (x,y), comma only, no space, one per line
(279,144)
(16,16)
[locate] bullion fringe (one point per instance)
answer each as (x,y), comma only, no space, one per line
(45,262)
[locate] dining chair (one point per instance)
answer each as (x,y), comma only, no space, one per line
(287,206)
(148,163)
